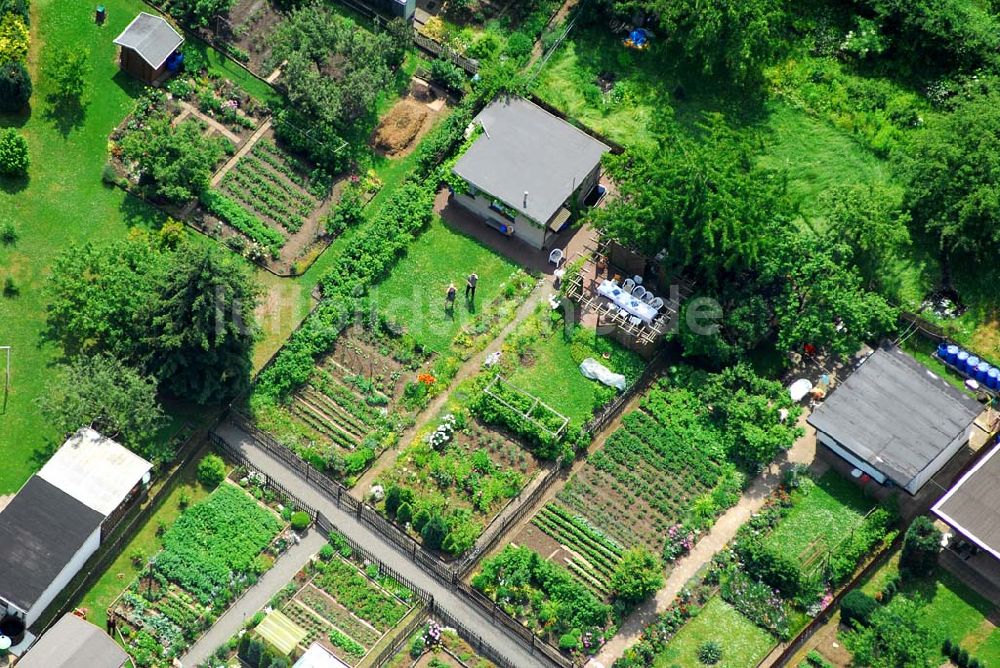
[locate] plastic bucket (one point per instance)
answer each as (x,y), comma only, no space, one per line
(950,354)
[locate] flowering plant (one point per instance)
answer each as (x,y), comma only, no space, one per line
(442,435)
(680,540)
(426,379)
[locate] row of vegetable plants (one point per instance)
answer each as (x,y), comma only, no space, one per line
(600,555)
(230,212)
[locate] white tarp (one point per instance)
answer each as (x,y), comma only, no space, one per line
(594,370)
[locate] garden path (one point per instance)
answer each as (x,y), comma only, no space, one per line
(257,134)
(210,122)
(255,598)
(470,368)
(536,51)
(444,596)
(803,451)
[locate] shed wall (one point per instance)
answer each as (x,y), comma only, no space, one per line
(64,577)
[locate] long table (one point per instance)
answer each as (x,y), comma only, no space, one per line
(622,299)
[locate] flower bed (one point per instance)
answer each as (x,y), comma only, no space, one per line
(213,552)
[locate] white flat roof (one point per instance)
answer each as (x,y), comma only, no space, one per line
(96,471)
(317,657)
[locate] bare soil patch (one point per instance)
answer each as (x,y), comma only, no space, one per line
(402,127)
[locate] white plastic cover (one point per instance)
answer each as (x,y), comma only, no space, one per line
(594,370)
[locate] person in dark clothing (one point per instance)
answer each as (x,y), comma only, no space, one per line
(470,286)
(449,297)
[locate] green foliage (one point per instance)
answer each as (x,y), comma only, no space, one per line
(710,652)
(540,592)
(110,396)
(14,38)
(775,570)
(447,73)
(13,153)
(300,520)
(230,212)
(347,213)
(211,548)
(8,233)
(921,545)
(211,471)
(952,182)
(359,594)
(200,13)
(638,575)
(875,528)
(896,636)
(856,608)
(15,86)
(434,532)
(67,69)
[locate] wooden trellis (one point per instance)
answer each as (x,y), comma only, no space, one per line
(526,415)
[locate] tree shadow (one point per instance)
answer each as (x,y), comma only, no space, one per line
(137,212)
(129,84)
(13,184)
(66,114)
(16,119)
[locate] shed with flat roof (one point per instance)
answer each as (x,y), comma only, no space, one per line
(895,419)
(972,505)
(72,643)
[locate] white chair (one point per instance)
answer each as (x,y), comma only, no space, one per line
(638,292)
(629,285)
(657,303)
(556,257)
(622,313)
(635,321)
(637,279)
(647,298)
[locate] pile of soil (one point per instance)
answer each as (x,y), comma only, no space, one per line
(400,126)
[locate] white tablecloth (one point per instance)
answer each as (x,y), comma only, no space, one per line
(633,306)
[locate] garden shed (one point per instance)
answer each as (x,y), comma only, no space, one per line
(972,505)
(526,170)
(148,45)
(895,420)
(74,642)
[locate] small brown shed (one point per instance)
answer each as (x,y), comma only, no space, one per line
(146,47)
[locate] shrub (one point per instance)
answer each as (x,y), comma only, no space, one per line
(569,641)
(920,548)
(710,652)
(10,288)
(638,575)
(857,607)
(211,471)
(300,520)
(8,233)
(405,513)
(13,153)
(447,73)
(15,86)
(417,646)
(326,552)
(420,519)
(434,532)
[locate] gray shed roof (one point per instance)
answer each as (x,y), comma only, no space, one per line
(151,37)
(41,529)
(72,643)
(972,505)
(525,148)
(895,414)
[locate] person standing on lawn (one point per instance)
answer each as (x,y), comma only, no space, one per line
(470,286)
(449,297)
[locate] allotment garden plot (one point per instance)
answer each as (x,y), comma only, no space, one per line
(215,550)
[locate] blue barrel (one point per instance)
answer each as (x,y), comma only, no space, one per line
(993,378)
(942,350)
(960,357)
(950,354)
(970,365)
(981,370)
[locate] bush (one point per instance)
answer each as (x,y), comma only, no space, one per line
(405,513)
(211,471)
(8,233)
(15,86)
(857,607)
(300,520)
(920,548)
(710,652)
(569,642)
(448,74)
(326,552)
(417,646)
(420,519)
(13,153)
(434,532)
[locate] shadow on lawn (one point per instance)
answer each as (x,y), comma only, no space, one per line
(13,184)
(66,114)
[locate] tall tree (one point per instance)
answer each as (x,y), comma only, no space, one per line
(201,328)
(106,394)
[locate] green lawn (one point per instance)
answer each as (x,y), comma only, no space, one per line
(744,644)
(951,610)
(819,519)
(414,293)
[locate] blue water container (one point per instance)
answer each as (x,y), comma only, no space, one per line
(981,369)
(960,357)
(942,350)
(993,378)
(950,354)
(970,365)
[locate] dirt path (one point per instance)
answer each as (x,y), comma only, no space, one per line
(246,148)
(540,292)
(536,51)
(209,121)
(723,531)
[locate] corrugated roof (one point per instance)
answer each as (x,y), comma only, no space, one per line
(972,505)
(317,657)
(95,470)
(895,414)
(151,37)
(73,643)
(525,148)
(40,531)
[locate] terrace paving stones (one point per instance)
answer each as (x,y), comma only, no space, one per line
(255,598)
(347,523)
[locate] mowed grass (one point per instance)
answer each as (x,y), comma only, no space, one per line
(414,293)
(819,519)
(63,202)
(949,609)
(743,643)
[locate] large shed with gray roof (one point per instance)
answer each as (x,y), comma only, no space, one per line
(895,420)
(147,45)
(74,643)
(972,505)
(526,168)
